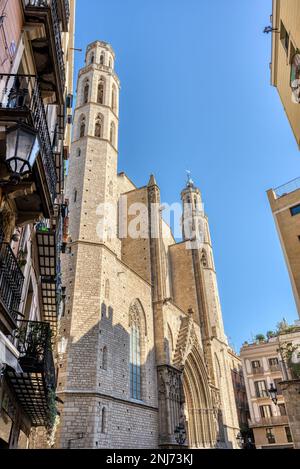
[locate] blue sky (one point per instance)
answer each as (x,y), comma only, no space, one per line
(196,95)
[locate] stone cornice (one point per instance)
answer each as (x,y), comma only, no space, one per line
(106,396)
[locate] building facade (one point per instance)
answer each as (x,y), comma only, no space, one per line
(285,205)
(285,65)
(264,365)
(36,77)
(240,394)
(142,350)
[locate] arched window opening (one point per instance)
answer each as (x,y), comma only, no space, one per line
(102,59)
(103,420)
(107,289)
(100,94)
(92,58)
(135,362)
(114,99)
(86,92)
(104,358)
(112,136)
(82,127)
(99,126)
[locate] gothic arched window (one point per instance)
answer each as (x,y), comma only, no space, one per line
(99,126)
(104,358)
(82,126)
(92,58)
(100,93)
(135,361)
(112,136)
(102,58)
(138,330)
(86,92)
(114,99)
(103,420)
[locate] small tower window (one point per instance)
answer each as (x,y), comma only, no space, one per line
(82,127)
(86,92)
(204,260)
(99,126)
(75,196)
(92,58)
(104,358)
(112,136)
(78,152)
(110,62)
(102,59)
(114,99)
(103,420)
(100,94)
(107,289)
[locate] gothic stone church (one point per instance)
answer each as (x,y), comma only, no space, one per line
(141,348)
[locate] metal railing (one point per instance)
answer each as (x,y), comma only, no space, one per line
(67,9)
(269,421)
(287,188)
(11,281)
(275,368)
(22,92)
(33,341)
(258,371)
(52,4)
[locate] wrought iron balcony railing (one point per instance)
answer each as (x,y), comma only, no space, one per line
(269,421)
(19,96)
(11,283)
(35,387)
(53,6)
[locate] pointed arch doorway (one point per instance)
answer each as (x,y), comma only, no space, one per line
(198,405)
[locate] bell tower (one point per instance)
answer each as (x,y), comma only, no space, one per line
(94,155)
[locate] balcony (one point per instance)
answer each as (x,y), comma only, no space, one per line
(11,284)
(44,23)
(49,248)
(258,371)
(64,13)
(35,387)
(275,368)
(269,421)
(21,101)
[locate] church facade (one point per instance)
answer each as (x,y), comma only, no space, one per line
(142,355)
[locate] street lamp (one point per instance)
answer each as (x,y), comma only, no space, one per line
(22,147)
(273,394)
(180,434)
(240,440)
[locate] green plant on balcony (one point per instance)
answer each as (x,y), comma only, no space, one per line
(260,338)
(22,258)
